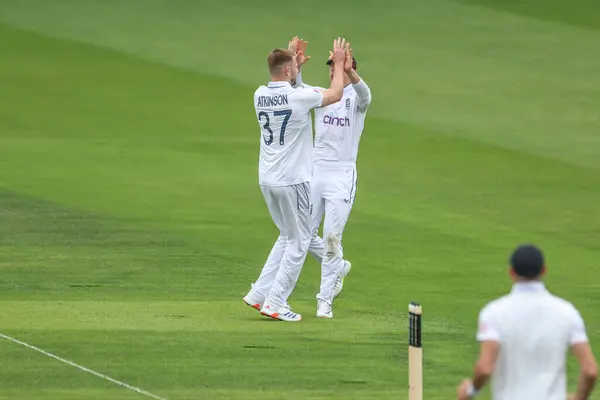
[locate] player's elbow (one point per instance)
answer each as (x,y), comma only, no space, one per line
(590,372)
(331,97)
(484,369)
(364,102)
(337,96)
(587,362)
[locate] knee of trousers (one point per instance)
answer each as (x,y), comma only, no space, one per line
(300,246)
(295,257)
(305,243)
(333,244)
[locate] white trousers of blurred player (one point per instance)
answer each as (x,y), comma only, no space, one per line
(289,207)
(333,193)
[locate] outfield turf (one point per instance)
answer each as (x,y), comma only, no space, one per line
(131,223)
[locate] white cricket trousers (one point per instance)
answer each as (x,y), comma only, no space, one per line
(290,209)
(333,193)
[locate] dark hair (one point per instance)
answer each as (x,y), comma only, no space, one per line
(277,58)
(527,261)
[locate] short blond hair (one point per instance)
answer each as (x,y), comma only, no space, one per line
(277,58)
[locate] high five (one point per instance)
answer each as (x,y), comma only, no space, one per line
(285,170)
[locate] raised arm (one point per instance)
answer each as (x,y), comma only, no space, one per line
(334,93)
(301,84)
(363,93)
(298,46)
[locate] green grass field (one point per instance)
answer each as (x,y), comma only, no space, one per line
(131,223)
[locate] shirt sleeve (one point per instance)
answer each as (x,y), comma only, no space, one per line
(301,84)
(487,328)
(363,95)
(578,333)
(310,98)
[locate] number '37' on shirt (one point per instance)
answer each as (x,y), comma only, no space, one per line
(286,144)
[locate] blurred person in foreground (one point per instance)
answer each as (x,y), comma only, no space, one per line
(525,337)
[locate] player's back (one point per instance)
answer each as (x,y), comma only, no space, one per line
(536,329)
(286,138)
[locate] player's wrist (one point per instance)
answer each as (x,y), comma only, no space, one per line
(471,391)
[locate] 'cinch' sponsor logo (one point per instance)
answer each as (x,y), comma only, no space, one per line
(336,121)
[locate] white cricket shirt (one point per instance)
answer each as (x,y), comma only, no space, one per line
(535,330)
(286,142)
(339,126)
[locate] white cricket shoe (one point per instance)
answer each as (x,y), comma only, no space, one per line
(254,299)
(280,313)
(324,309)
(252,303)
(339,283)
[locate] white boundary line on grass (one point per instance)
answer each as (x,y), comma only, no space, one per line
(82,368)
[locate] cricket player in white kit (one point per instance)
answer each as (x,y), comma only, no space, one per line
(525,337)
(338,129)
(285,170)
